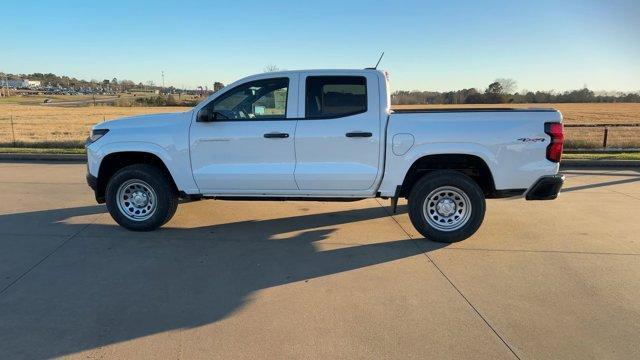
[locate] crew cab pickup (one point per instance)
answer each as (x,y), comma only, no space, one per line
(325,135)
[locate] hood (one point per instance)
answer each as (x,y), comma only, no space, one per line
(141,121)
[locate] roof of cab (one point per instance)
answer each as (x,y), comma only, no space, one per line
(322,71)
(311,71)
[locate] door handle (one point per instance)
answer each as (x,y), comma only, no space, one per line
(359,134)
(276,135)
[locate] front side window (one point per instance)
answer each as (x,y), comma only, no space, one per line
(261,99)
(335,96)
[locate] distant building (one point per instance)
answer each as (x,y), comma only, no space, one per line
(33,83)
(20,83)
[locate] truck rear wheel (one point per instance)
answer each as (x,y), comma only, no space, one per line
(446,206)
(141,198)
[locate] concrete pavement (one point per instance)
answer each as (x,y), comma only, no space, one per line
(316,280)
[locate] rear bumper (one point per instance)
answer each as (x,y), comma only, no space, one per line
(546,188)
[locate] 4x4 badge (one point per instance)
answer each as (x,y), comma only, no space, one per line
(531,139)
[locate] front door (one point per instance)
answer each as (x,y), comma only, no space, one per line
(338,140)
(242,142)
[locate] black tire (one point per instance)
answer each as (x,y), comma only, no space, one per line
(436,180)
(166,196)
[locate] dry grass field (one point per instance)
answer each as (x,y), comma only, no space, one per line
(52,126)
(64,126)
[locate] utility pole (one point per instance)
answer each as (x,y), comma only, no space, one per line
(162,72)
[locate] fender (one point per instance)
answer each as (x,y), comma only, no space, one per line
(398,166)
(177,163)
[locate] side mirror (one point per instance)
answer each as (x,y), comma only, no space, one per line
(206,115)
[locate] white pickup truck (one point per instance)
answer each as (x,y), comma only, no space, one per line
(326,135)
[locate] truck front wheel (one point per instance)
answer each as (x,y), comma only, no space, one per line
(141,198)
(446,206)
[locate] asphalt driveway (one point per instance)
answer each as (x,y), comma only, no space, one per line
(229,279)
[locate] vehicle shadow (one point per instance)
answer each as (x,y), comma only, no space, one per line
(628,178)
(107,285)
(601,184)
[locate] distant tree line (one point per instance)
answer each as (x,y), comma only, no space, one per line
(53,80)
(503,91)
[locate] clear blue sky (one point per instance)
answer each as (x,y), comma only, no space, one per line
(434,45)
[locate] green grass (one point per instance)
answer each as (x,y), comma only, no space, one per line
(27,150)
(602,156)
(65,144)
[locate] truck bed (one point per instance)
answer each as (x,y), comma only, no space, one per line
(512,142)
(449,110)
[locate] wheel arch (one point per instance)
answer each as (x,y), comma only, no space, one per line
(471,165)
(117,160)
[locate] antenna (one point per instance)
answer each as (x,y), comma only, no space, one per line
(378,63)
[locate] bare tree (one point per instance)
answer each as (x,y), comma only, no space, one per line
(509,85)
(271,68)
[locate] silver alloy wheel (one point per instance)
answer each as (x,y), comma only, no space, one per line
(136,200)
(447,208)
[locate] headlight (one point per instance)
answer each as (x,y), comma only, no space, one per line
(96,134)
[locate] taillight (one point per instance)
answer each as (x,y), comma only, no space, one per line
(554,149)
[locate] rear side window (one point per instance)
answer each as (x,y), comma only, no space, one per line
(335,96)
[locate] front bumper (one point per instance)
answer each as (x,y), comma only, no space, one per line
(93,163)
(546,188)
(92,181)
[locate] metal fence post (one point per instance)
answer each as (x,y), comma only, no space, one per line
(13,133)
(606,137)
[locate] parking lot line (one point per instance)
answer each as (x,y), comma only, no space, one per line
(432,262)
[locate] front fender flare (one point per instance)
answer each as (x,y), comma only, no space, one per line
(178,164)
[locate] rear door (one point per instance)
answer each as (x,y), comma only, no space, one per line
(337,142)
(246,143)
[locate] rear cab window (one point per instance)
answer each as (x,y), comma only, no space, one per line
(335,96)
